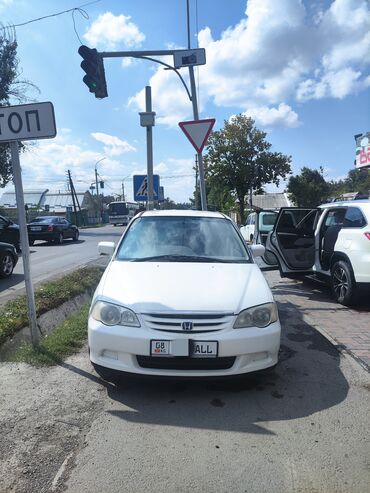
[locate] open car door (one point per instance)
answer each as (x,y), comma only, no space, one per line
(292,240)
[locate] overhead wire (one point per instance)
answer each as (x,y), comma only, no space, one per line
(73,9)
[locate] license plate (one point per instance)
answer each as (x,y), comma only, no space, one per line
(182,347)
(203,349)
(36,228)
(160,348)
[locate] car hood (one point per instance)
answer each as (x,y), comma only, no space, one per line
(173,286)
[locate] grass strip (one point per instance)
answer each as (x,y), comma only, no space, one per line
(14,314)
(65,340)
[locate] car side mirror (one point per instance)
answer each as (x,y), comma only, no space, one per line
(257,250)
(106,248)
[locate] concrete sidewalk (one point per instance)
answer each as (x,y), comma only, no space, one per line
(347,328)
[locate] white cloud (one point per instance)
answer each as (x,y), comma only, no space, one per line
(45,164)
(271,117)
(280,52)
(113,146)
(336,84)
(112,31)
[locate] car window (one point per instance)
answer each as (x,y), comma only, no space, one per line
(208,238)
(334,217)
(267,220)
(354,218)
(3,223)
(41,220)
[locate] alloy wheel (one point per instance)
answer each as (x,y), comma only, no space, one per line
(340,282)
(7,265)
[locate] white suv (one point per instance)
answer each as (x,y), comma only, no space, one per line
(332,242)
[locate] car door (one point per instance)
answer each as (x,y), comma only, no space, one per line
(5,234)
(292,240)
(66,227)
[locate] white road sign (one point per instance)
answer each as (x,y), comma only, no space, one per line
(27,122)
(189,58)
(197,132)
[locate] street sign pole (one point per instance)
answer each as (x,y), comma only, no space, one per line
(147,119)
(149,147)
(26,122)
(17,178)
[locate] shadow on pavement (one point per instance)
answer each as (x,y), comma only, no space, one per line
(48,244)
(11,281)
(307,380)
(101,233)
(315,290)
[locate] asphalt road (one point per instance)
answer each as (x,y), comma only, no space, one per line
(303,428)
(50,261)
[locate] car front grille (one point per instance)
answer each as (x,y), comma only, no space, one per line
(201,322)
(185,363)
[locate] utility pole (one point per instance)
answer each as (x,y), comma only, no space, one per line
(123,191)
(97,189)
(73,197)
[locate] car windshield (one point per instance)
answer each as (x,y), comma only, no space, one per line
(182,239)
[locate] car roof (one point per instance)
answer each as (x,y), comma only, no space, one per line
(345,203)
(183,213)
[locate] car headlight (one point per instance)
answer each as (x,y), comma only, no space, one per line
(257,316)
(110,314)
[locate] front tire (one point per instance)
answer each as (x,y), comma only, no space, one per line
(6,265)
(343,285)
(75,236)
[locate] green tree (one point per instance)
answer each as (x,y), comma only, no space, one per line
(358,180)
(309,188)
(239,159)
(12,89)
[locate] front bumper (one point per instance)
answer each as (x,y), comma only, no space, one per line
(117,348)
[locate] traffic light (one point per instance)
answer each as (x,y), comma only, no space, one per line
(93,65)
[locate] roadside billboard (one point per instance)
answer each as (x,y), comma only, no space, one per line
(362,150)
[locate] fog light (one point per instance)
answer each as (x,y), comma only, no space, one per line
(110,354)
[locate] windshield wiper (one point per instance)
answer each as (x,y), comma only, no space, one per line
(185,258)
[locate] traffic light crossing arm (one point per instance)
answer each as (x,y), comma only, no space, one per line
(93,65)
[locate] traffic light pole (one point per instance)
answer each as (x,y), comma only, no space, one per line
(203,195)
(192,96)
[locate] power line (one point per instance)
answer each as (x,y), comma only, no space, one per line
(74,9)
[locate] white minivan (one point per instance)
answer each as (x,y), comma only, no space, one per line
(182,296)
(331,242)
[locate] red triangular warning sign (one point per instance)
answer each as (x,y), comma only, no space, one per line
(197,132)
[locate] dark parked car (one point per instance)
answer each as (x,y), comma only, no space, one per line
(51,229)
(8,259)
(9,232)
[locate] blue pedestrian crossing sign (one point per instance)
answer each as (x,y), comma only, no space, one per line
(141,188)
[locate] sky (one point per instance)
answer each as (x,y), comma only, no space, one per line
(299,68)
